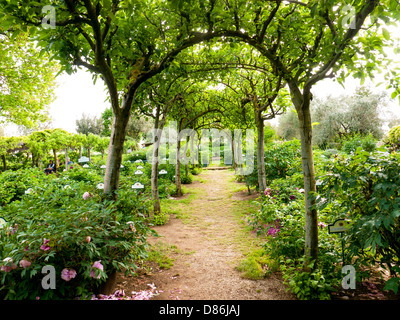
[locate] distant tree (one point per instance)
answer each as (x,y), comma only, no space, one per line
(88,124)
(288,126)
(101,145)
(342,117)
(336,119)
(137,127)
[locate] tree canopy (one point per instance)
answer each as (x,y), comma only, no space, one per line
(27,80)
(130,44)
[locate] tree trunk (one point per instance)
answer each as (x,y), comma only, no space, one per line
(158,127)
(234,156)
(302,103)
(66,159)
(154,181)
(262,183)
(311,218)
(114,159)
(3,157)
(178,182)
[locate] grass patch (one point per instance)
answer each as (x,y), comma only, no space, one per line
(160,254)
(182,208)
(256,265)
(160,218)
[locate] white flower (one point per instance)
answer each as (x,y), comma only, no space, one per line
(100,186)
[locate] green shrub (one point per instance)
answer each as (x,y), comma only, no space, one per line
(393,138)
(367,143)
(187,179)
(160,219)
(314,285)
(196,171)
(78,173)
(364,188)
(13,184)
(281,220)
(137,155)
(281,160)
(54,225)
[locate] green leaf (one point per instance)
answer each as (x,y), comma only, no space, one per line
(313,9)
(392,284)
(386,34)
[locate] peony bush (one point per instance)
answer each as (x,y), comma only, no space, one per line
(65,224)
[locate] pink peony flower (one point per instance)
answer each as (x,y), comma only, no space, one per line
(25,263)
(321,224)
(97,265)
(86,195)
(67,274)
(8,268)
(45,245)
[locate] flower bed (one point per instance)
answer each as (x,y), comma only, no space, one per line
(71,229)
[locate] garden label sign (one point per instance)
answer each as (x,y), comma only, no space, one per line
(137,185)
(83,159)
(339,226)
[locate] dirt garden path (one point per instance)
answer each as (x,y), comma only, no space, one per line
(206,243)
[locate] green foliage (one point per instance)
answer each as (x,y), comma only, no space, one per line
(254,266)
(196,171)
(394,138)
(76,229)
(281,160)
(22,66)
(186,179)
(364,189)
(306,285)
(137,155)
(160,219)
(14,184)
(281,219)
(367,143)
(346,117)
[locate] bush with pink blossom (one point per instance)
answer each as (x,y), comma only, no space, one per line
(85,239)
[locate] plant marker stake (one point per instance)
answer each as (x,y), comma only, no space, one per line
(339,226)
